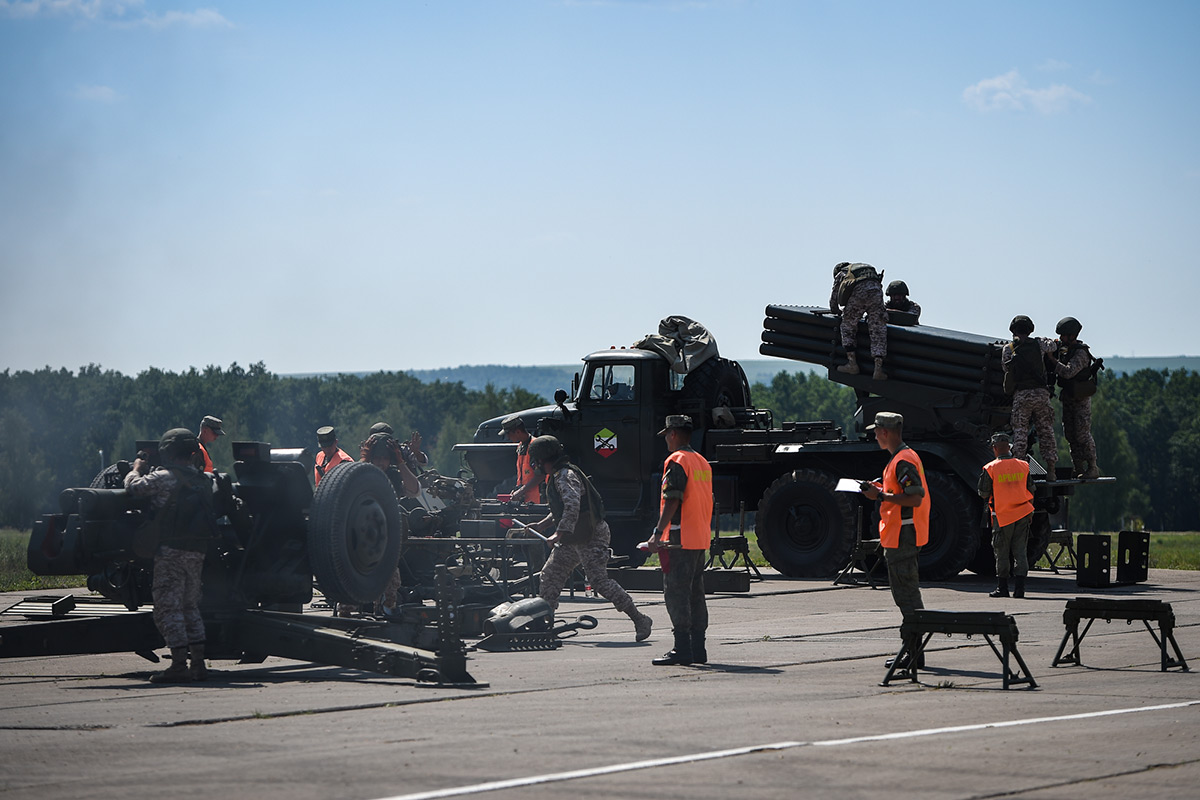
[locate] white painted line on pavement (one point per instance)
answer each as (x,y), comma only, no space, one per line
(555,777)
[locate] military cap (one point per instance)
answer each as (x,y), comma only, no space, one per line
(898,287)
(213,424)
(511,423)
(1068,326)
(677,421)
(887,419)
(381,427)
(1001,436)
(326,435)
(1021,324)
(178,443)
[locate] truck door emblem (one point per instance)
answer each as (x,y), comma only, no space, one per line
(606,443)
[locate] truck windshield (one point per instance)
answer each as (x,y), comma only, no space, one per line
(614,383)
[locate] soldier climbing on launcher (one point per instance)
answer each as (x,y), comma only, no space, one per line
(858,290)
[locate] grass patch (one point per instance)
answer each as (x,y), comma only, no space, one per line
(14,573)
(1168,550)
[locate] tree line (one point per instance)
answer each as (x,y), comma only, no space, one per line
(59,428)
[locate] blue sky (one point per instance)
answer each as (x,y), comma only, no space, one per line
(400,185)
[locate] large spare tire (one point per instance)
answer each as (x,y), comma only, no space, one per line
(718,382)
(805,528)
(355,533)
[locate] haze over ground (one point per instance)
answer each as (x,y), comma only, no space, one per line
(376,185)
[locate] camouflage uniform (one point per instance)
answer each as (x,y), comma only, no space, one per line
(176,584)
(592,555)
(1035,404)
(1077,412)
(865,298)
(907,306)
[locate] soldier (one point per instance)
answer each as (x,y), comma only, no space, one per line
(681,539)
(330,455)
(1077,378)
(903,512)
(415,457)
(182,500)
(858,288)
(1024,362)
(581,535)
(1008,487)
(529,484)
(210,429)
(897,292)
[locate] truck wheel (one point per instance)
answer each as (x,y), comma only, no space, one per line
(355,533)
(718,382)
(953,528)
(805,529)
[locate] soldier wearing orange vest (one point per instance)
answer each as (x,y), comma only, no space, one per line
(904,501)
(681,539)
(330,455)
(210,429)
(1008,486)
(529,481)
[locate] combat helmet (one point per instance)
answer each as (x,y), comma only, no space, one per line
(1068,326)
(178,443)
(1021,325)
(544,448)
(897,287)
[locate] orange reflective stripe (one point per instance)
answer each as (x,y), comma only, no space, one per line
(891,514)
(525,473)
(208,465)
(695,513)
(321,468)
(1011,498)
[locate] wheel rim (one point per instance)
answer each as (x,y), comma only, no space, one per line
(805,525)
(367,535)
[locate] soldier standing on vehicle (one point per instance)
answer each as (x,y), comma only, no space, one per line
(181,497)
(897,292)
(529,483)
(581,535)
(1024,363)
(681,539)
(1077,378)
(210,429)
(904,503)
(858,289)
(330,455)
(1007,486)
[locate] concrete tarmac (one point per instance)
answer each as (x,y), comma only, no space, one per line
(789,706)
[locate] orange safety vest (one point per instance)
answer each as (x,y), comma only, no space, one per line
(323,464)
(695,513)
(208,465)
(525,473)
(891,514)
(1011,498)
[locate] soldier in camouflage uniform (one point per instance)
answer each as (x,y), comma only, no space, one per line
(581,535)
(185,530)
(1023,359)
(897,292)
(865,297)
(1075,376)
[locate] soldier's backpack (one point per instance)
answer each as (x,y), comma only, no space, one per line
(1083,384)
(854,274)
(187,521)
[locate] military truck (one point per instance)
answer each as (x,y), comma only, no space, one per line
(948,384)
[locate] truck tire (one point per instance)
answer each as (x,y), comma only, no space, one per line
(953,528)
(355,533)
(718,382)
(805,529)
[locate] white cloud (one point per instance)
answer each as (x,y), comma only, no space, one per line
(1011,92)
(97,94)
(121,13)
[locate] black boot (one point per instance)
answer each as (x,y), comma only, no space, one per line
(681,655)
(178,671)
(1019,586)
(1001,589)
(699,654)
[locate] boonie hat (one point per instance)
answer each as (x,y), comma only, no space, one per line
(1001,436)
(677,421)
(213,424)
(887,419)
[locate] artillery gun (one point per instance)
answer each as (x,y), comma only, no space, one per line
(276,534)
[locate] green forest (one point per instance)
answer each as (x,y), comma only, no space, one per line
(59,428)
